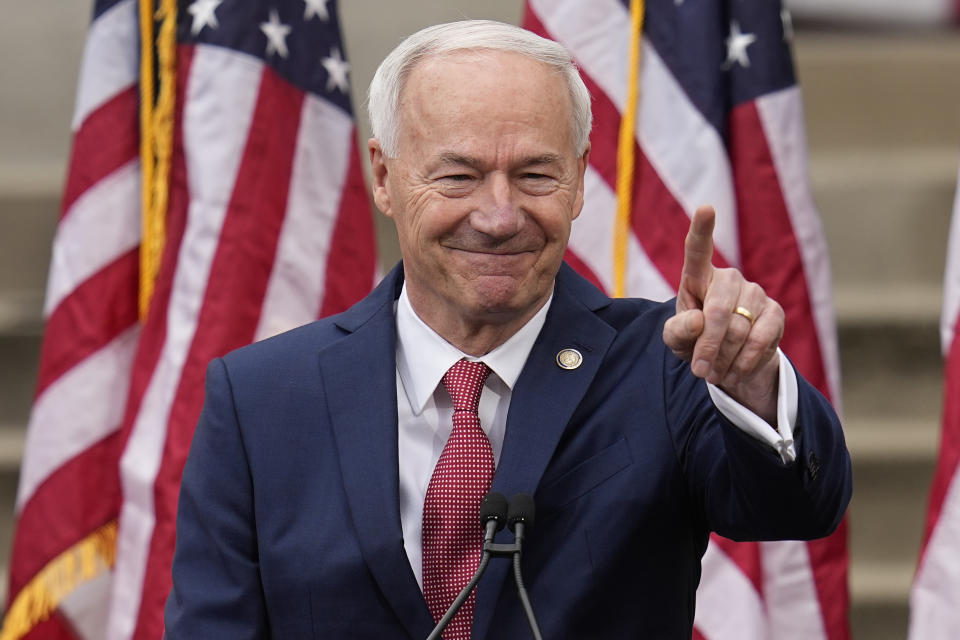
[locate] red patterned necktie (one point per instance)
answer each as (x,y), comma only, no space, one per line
(452,536)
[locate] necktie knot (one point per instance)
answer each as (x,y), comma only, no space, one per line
(464,382)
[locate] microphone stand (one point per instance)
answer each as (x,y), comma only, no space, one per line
(491,528)
(522,590)
(493,522)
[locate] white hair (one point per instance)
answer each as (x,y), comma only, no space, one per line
(383,96)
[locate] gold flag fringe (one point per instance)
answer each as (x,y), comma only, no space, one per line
(82,562)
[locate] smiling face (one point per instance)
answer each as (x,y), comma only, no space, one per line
(484,188)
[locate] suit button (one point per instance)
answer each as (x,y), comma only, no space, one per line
(813,465)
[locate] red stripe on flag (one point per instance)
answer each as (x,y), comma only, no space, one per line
(231,308)
(108,139)
(80,496)
(746,555)
(948,460)
(771,257)
(830,562)
(155,327)
(53,628)
(95,313)
(571,258)
(352,258)
(697,635)
(658,221)
(770,253)
(154,332)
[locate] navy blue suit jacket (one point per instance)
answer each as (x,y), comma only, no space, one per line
(289,523)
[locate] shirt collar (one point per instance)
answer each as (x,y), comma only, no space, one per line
(423,356)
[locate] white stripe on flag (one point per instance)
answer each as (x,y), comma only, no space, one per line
(669,126)
(951,280)
(686,151)
(80,408)
(109,65)
(591,240)
(320,165)
(934,614)
(214,141)
(88,606)
(789,590)
(781,115)
(597,35)
(102,225)
(728,605)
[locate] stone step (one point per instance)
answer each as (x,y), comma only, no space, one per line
(879,90)
(18,376)
(28,218)
(886,213)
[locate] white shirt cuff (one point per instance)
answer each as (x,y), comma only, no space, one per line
(781,438)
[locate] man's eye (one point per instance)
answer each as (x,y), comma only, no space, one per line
(535,176)
(458,177)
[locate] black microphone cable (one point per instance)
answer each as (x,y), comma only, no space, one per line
(493,516)
(520,515)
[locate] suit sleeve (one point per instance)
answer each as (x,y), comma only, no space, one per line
(744,488)
(216,589)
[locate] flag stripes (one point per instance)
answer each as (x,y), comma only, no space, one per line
(749,160)
(107,131)
(82,324)
(267,226)
(936,585)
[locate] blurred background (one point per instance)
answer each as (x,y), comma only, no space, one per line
(881,84)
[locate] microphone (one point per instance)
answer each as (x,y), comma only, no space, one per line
(493,516)
(520,515)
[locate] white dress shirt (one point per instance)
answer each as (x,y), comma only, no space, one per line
(425,411)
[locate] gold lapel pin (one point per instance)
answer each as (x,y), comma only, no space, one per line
(569,359)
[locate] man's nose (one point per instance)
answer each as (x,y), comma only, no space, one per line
(497,213)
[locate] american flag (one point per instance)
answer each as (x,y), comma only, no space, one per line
(719,121)
(936,588)
(268,226)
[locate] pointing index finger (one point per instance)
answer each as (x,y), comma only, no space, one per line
(697,253)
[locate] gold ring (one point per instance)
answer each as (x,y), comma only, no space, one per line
(746,313)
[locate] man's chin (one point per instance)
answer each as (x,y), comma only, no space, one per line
(503,296)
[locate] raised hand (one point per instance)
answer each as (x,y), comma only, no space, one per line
(725,327)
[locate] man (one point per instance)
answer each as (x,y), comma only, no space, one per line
(333,483)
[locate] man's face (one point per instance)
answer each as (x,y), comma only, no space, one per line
(484,187)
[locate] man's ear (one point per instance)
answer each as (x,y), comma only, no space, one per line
(378,165)
(582,163)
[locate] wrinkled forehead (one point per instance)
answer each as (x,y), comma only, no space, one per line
(487,83)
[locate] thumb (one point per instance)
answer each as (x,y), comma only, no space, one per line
(680,333)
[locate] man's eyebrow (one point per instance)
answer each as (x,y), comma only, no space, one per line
(458,159)
(544,158)
(450,157)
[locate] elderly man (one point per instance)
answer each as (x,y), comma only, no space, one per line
(333,486)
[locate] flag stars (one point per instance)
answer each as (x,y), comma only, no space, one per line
(337,69)
(204,15)
(276,33)
(737,43)
(316,8)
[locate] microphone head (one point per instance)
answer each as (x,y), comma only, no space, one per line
(493,507)
(521,510)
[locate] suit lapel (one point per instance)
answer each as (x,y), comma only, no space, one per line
(359,378)
(543,401)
